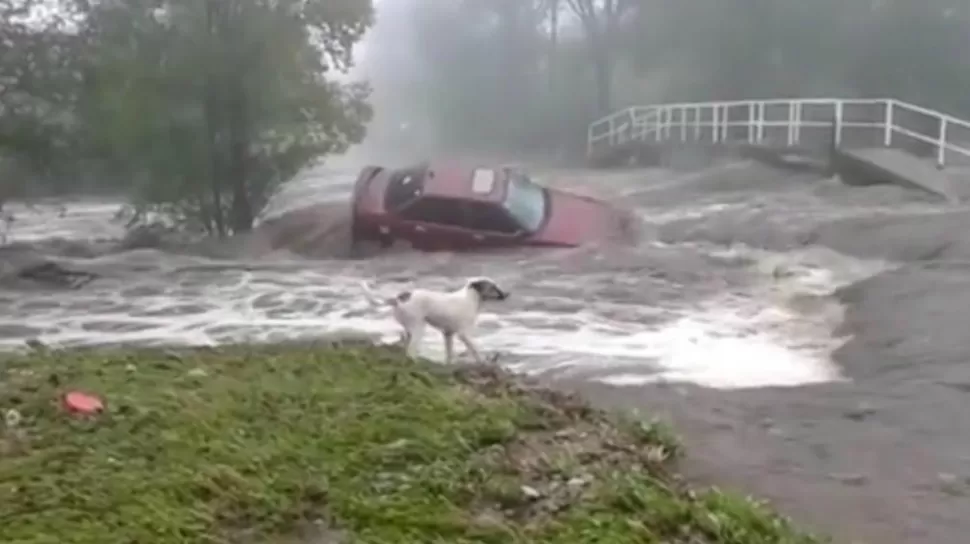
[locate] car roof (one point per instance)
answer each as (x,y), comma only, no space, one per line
(464,181)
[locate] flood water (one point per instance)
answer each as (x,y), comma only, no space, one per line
(623,314)
(809,338)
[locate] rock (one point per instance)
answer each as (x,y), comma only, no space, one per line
(781,271)
(862,411)
(953,485)
(657,454)
(775,431)
(53,274)
(150,236)
(12,418)
(489,519)
(163,237)
(564,433)
(398,444)
(531,493)
(580,481)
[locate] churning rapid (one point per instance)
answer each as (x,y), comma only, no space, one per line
(674,306)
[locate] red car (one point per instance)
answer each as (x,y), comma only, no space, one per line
(456,207)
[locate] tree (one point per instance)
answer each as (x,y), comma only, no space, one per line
(37,85)
(601,24)
(207,105)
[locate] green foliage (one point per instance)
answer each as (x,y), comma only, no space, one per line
(197,108)
(207,106)
(289,443)
(37,91)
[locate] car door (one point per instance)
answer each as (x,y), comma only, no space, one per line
(435,223)
(490,225)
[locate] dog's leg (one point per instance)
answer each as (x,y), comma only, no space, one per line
(449,346)
(414,339)
(471,347)
(404,338)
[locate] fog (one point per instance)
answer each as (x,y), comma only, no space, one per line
(502,77)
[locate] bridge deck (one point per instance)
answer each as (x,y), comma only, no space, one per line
(903,168)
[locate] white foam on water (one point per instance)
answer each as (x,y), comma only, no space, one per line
(733,341)
(776,333)
(86,220)
(709,350)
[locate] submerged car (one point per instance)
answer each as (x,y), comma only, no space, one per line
(457,207)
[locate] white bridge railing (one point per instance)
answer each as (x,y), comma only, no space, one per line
(785,122)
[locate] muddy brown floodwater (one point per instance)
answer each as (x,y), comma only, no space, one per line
(810,339)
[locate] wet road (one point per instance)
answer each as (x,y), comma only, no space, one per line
(805,335)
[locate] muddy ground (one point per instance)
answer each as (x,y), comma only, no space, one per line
(885,458)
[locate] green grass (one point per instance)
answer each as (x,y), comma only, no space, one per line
(313,444)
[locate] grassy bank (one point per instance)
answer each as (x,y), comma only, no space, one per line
(302,444)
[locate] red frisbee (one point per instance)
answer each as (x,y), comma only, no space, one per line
(82,403)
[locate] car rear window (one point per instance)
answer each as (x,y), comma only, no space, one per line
(483,181)
(404,186)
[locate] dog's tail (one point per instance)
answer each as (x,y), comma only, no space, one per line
(374,299)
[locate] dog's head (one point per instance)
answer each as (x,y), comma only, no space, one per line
(487,289)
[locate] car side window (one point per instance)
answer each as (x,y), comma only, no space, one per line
(479,216)
(441,211)
(488,217)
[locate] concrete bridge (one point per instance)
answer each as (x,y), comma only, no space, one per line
(864,141)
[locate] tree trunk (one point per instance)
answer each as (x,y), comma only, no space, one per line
(553,45)
(552,130)
(600,25)
(235,122)
(215,220)
(242,214)
(215,217)
(603,72)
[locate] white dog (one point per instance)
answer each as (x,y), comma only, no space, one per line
(454,313)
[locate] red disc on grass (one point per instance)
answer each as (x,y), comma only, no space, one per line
(82,403)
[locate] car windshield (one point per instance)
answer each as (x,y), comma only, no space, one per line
(525,201)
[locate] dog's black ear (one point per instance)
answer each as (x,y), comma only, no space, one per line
(487,290)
